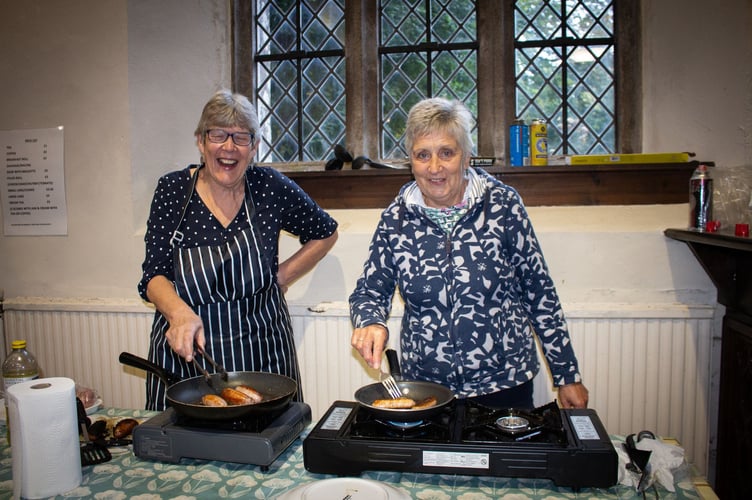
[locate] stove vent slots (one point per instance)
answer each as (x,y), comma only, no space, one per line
(646,367)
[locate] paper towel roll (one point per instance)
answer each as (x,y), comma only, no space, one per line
(45,449)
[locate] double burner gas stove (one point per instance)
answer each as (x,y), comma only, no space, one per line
(259,440)
(569,446)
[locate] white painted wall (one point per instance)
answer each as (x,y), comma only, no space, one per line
(128,79)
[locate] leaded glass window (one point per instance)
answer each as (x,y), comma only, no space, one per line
(299,78)
(427,48)
(550,59)
(564,58)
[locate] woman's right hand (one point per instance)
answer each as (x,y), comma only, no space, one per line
(186,330)
(370,342)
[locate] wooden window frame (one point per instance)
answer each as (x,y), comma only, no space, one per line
(551,185)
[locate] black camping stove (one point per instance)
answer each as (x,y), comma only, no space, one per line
(257,440)
(569,446)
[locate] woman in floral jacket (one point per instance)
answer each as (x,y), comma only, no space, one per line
(461,249)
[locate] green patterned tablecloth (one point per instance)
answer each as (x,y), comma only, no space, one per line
(127,476)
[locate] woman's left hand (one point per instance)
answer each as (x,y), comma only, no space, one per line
(573,395)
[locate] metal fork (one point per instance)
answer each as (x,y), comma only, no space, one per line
(390,385)
(386,379)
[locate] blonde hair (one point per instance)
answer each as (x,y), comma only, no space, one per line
(225,109)
(437,114)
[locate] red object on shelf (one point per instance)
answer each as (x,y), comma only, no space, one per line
(712,226)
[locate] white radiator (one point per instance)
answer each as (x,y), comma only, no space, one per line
(646,367)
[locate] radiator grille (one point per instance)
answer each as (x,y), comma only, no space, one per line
(651,372)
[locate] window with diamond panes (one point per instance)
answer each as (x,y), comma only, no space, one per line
(299,78)
(564,67)
(427,48)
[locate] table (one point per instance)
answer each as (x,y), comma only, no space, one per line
(127,476)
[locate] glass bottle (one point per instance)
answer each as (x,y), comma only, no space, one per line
(700,198)
(19,366)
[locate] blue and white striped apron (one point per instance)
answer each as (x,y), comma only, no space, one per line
(232,288)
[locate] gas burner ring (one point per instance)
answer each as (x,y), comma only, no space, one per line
(512,423)
(404,425)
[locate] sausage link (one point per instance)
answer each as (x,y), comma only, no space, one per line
(212,400)
(425,403)
(397,403)
(234,397)
(250,392)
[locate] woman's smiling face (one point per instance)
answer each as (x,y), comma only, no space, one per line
(439,169)
(226,162)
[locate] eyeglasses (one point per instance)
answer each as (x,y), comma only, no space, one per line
(219,136)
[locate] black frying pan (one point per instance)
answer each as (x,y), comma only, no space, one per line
(416,389)
(185,395)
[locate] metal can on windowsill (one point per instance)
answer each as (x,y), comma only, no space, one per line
(538,143)
(519,143)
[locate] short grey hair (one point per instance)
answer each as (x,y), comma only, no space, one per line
(226,109)
(437,114)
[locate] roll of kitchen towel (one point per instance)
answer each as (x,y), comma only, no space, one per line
(45,449)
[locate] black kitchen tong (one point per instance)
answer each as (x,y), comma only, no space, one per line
(639,460)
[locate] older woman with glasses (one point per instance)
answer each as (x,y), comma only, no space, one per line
(460,247)
(211,267)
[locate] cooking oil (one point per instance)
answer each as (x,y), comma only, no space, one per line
(19,366)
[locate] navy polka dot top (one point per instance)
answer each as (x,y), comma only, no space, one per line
(279,205)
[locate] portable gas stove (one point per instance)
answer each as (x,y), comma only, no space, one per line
(569,446)
(169,437)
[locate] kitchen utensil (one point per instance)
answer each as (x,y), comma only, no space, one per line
(417,390)
(91,452)
(639,460)
(390,385)
(342,154)
(360,161)
(334,164)
(185,395)
(217,367)
(387,379)
(206,375)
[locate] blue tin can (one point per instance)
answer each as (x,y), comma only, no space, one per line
(519,144)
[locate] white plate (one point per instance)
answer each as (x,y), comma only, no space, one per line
(97,404)
(341,487)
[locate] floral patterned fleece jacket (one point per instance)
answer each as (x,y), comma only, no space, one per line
(474,298)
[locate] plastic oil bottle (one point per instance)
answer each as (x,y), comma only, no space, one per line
(19,366)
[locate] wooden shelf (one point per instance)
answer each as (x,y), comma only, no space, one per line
(624,184)
(728,261)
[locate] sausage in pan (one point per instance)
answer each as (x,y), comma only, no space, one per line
(235,397)
(212,400)
(255,396)
(425,403)
(394,404)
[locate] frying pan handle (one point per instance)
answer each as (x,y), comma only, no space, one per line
(131,360)
(393,362)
